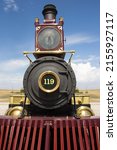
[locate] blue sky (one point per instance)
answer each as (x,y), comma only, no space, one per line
(82,33)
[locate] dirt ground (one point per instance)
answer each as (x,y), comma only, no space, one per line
(94,94)
(5,94)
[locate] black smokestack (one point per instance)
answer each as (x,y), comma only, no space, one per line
(49,12)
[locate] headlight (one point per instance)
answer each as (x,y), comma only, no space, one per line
(49,38)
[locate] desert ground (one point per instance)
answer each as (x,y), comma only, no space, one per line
(94,94)
(94,99)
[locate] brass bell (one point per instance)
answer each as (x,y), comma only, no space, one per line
(15,111)
(84,111)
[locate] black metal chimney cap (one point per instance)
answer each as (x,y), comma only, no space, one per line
(49,8)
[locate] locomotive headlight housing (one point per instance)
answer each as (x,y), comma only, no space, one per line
(49,38)
(49,81)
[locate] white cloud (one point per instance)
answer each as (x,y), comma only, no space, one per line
(13,65)
(10,5)
(79,38)
(87,76)
(90,58)
(12,72)
(11,80)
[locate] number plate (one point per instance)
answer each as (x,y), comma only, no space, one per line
(49,81)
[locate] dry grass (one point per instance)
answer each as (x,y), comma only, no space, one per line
(5,95)
(94,94)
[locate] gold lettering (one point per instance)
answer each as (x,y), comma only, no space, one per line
(48,81)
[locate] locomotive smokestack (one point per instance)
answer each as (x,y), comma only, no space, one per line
(49,12)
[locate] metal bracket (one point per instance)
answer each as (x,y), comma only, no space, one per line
(23,111)
(75,108)
(49,52)
(26,55)
(57,52)
(69,62)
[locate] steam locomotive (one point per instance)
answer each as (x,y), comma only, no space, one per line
(49,81)
(49,98)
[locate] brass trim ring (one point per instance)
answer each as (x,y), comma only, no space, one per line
(50,73)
